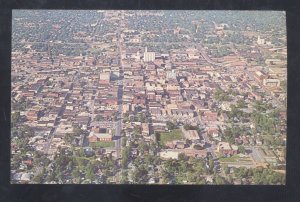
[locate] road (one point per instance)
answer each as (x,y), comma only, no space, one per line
(52,132)
(93,110)
(211,150)
(118,128)
(57,121)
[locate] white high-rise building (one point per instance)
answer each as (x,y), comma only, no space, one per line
(260,41)
(149,56)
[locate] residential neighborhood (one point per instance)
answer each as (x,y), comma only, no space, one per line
(148,97)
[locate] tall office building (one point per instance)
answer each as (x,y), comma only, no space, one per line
(260,41)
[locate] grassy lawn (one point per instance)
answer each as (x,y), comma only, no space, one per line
(102,144)
(233,158)
(170,136)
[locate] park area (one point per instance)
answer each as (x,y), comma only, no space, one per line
(237,160)
(102,144)
(170,136)
(234,158)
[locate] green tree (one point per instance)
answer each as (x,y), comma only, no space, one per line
(124,140)
(124,176)
(142,147)
(171,126)
(140,117)
(125,156)
(157,136)
(90,173)
(140,175)
(226,170)
(75,173)
(15,118)
(219,180)
(38,178)
(210,165)
(242,149)
(69,137)
(166,176)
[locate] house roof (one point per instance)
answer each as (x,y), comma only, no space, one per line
(192,135)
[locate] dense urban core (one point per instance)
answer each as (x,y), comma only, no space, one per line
(148,97)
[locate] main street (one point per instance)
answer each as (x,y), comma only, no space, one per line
(53,131)
(118,125)
(57,120)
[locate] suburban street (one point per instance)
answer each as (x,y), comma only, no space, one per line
(211,149)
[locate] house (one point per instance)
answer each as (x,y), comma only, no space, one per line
(195,153)
(180,144)
(210,116)
(32,115)
(110,101)
(126,108)
(82,120)
(170,145)
(27,94)
(155,112)
(22,178)
(213,132)
(192,135)
(223,117)
(63,129)
(27,161)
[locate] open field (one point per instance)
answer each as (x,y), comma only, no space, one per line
(102,144)
(170,136)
